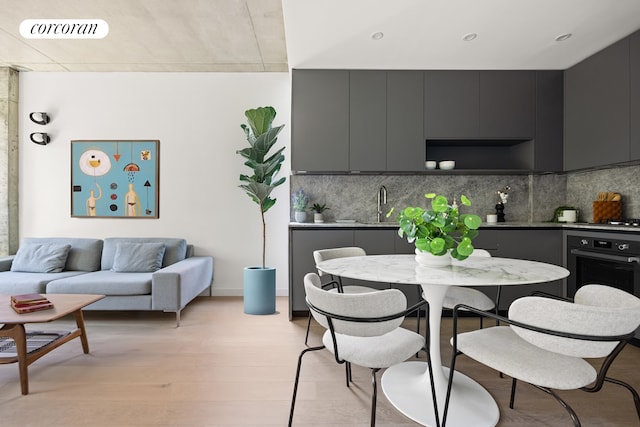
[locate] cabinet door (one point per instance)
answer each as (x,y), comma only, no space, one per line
(548,148)
(451,100)
(507,104)
(302,243)
(368,120)
(320,120)
(634,94)
(405,149)
(597,109)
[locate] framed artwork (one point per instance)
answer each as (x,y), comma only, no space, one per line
(114,179)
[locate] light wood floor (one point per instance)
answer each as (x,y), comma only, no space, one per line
(225,368)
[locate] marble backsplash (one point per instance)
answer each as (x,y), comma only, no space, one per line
(532,198)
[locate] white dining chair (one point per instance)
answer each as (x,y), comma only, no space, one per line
(363,329)
(549,339)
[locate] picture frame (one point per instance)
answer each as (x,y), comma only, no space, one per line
(115,179)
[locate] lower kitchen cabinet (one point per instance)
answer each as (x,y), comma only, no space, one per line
(536,244)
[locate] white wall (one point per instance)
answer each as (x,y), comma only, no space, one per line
(196,117)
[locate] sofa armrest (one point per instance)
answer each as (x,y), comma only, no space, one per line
(5,262)
(174,286)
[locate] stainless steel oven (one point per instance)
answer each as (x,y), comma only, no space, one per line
(611,259)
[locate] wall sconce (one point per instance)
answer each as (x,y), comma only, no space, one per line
(40,118)
(40,138)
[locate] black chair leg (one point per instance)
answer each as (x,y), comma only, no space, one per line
(513,391)
(374,397)
(634,393)
(306,337)
(295,383)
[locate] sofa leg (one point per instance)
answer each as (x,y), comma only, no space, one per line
(178,319)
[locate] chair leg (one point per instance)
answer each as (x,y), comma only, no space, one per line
(347,372)
(295,383)
(569,409)
(634,393)
(306,337)
(513,391)
(374,397)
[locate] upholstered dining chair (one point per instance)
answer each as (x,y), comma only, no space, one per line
(335,283)
(473,297)
(549,338)
(363,329)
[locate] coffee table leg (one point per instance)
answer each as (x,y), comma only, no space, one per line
(17,332)
(83,333)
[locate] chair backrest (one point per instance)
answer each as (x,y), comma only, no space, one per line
(362,305)
(597,310)
(327,254)
(480,252)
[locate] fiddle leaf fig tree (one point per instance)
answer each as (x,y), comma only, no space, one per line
(261,137)
(440,229)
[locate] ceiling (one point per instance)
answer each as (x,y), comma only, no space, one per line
(249,35)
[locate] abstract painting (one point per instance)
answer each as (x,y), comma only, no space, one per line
(114,179)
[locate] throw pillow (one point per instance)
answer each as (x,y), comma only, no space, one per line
(138,257)
(41,258)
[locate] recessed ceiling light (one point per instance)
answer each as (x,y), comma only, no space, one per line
(563,37)
(377,35)
(469,37)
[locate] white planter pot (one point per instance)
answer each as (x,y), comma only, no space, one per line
(300,216)
(427,259)
(318,217)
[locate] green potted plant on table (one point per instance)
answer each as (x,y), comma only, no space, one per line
(299,201)
(260,282)
(319,209)
(440,231)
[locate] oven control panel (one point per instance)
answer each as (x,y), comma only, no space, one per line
(604,245)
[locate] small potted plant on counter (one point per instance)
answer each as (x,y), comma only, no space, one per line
(440,231)
(300,200)
(318,209)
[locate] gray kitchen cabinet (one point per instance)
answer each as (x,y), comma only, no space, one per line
(634,96)
(405,150)
(507,104)
(320,120)
(367,121)
(535,244)
(302,243)
(548,148)
(451,104)
(597,109)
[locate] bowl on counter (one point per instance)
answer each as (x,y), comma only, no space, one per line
(430,164)
(447,164)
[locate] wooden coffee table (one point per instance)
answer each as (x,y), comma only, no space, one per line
(64,304)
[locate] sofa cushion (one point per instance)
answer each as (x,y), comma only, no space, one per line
(104,283)
(175,249)
(84,255)
(138,257)
(16,282)
(41,257)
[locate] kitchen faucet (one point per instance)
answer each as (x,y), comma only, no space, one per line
(382,199)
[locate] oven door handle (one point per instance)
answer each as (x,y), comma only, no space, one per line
(617,258)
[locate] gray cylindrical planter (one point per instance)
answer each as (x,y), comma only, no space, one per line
(259,290)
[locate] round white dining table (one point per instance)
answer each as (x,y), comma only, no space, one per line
(407,385)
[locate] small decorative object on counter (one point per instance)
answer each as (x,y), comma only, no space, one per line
(318,209)
(440,231)
(503,196)
(299,201)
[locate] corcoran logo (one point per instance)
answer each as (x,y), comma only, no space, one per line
(64,29)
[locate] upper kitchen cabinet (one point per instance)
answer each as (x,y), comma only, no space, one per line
(368,120)
(405,138)
(361,120)
(597,109)
(548,149)
(479,104)
(634,93)
(320,120)
(507,104)
(451,104)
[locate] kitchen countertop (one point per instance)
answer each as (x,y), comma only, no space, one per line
(496,226)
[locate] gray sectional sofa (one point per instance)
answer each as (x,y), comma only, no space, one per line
(134,273)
